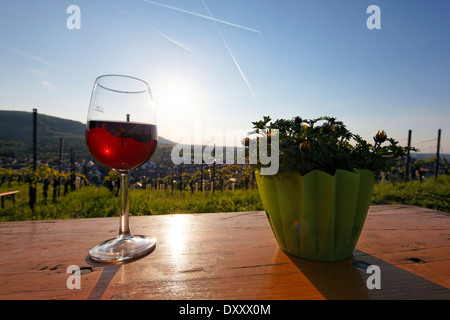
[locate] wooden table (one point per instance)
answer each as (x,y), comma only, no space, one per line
(225,256)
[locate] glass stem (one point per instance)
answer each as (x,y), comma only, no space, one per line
(124,203)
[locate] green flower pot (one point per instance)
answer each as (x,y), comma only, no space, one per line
(317,216)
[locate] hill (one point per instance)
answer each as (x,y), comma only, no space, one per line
(16,140)
(16,136)
(426,156)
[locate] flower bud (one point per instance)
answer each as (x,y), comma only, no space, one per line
(380,137)
(328,128)
(304,146)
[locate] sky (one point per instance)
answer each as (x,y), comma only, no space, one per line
(221,64)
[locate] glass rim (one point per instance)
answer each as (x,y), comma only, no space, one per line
(112,75)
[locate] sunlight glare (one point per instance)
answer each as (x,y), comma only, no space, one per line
(177,235)
(178,97)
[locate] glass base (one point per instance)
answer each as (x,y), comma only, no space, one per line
(122,248)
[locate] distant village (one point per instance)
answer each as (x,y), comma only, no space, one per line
(158,174)
(163,174)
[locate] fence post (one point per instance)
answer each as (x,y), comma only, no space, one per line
(72,170)
(407,157)
(61,143)
(201,168)
(181,177)
(436,164)
(34,139)
(213,177)
(172,177)
(33,189)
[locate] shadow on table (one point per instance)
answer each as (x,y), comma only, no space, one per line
(109,270)
(349,279)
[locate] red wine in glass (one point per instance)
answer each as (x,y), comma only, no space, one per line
(122,146)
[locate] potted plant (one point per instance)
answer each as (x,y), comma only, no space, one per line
(318,200)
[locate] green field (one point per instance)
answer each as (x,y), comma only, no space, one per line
(88,202)
(428,194)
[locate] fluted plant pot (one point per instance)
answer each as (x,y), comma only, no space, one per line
(317,216)
(317,202)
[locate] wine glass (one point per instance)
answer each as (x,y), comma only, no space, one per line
(121,134)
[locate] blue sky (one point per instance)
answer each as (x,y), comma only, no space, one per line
(223,64)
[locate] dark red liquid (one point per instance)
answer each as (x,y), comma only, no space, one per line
(121,145)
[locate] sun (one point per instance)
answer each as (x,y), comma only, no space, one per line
(179,102)
(178,96)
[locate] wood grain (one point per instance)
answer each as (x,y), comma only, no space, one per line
(225,256)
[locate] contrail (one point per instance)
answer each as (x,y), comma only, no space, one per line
(178,43)
(165,36)
(229,51)
(201,16)
(48,85)
(30,56)
(124,11)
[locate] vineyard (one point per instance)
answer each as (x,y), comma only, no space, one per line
(65,196)
(70,195)
(53,187)
(92,201)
